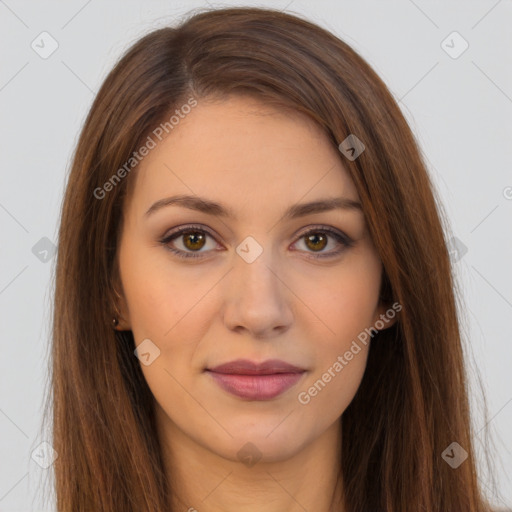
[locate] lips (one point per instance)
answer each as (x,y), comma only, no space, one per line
(246,367)
(256,381)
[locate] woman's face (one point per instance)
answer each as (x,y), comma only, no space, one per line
(259,277)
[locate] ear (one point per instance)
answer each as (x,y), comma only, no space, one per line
(386,314)
(120,308)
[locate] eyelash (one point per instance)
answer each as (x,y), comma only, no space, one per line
(342,239)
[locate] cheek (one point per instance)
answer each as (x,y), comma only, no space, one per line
(159,296)
(346,305)
(172,308)
(345,300)
(340,356)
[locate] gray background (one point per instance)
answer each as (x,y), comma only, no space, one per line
(459,108)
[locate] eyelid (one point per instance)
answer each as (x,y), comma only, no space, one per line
(176,233)
(185,229)
(344,240)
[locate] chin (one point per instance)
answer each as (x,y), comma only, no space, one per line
(265,441)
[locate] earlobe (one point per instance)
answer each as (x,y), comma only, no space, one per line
(119,324)
(120,317)
(386,315)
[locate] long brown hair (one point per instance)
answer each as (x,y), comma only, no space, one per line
(413,399)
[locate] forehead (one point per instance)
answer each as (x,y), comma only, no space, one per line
(244,153)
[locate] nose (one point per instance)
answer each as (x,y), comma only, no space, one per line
(257,300)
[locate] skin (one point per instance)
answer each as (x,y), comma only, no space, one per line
(284,305)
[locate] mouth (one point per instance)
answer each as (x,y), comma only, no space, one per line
(256,381)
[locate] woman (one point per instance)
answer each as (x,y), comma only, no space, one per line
(254,307)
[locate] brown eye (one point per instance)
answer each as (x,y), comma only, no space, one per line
(316,241)
(189,242)
(193,240)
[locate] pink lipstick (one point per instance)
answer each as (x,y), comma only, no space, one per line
(256,381)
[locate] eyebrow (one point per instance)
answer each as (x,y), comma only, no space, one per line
(295,211)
